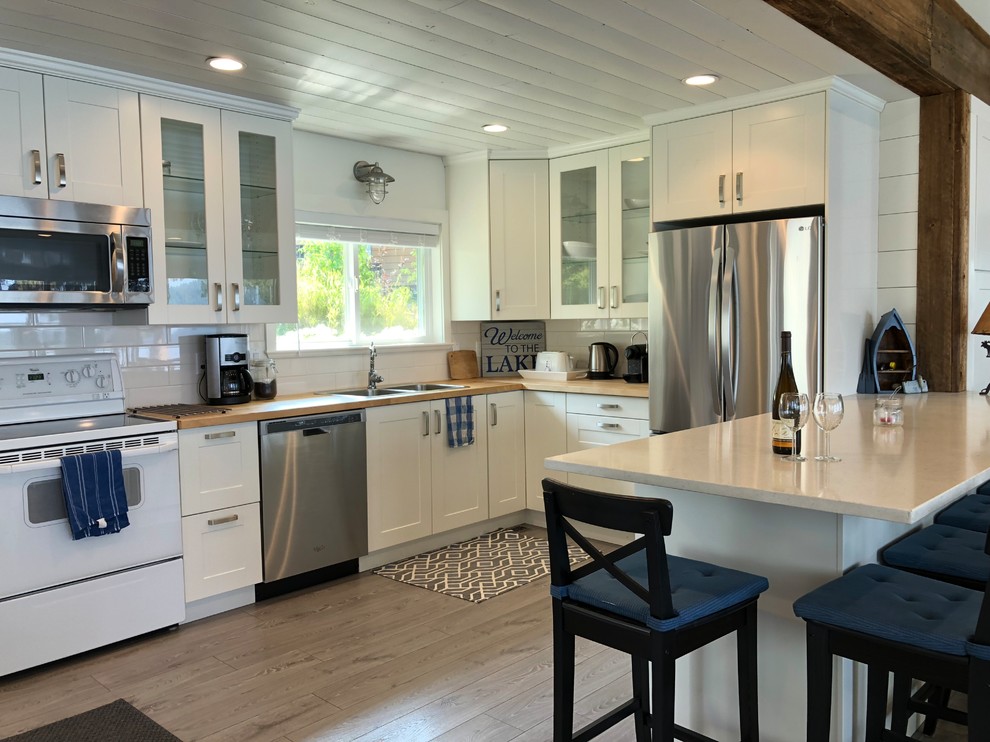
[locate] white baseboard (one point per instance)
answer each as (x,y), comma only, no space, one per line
(219,603)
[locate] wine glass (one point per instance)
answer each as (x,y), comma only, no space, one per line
(828,411)
(793,410)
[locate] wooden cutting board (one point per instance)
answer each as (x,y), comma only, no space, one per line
(463,364)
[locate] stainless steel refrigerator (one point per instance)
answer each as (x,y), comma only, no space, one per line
(719,298)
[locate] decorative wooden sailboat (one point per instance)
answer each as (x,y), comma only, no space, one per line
(890,355)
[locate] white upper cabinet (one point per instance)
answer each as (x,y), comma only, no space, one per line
(763,157)
(70,140)
(599,221)
(219,185)
(499,238)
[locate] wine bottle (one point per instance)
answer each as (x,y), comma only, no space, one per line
(783,437)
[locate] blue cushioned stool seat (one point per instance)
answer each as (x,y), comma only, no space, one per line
(971,512)
(898,606)
(698,589)
(983,489)
(942,552)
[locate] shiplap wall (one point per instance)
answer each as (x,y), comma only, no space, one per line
(897,275)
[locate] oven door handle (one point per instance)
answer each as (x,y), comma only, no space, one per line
(125,455)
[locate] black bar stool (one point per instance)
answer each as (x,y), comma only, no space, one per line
(641,601)
(971,512)
(899,622)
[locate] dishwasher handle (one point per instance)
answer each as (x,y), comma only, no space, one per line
(313,424)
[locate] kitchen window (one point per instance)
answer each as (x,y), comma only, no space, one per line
(358,285)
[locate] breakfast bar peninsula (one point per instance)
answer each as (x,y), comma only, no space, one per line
(798,524)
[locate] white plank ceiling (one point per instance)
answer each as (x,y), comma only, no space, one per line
(425,75)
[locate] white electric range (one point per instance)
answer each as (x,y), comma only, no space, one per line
(59,597)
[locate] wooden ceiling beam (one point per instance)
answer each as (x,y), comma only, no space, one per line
(928,46)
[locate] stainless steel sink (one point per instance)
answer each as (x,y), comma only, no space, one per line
(361,392)
(425,387)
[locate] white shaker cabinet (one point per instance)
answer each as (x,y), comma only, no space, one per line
(595,420)
(506,453)
(221,519)
(499,238)
(759,158)
(460,475)
(69,140)
(219,185)
(546,435)
(599,222)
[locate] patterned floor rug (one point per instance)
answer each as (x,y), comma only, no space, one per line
(481,568)
(115,722)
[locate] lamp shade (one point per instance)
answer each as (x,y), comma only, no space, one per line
(983,323)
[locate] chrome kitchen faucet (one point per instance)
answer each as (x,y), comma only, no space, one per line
(373,378)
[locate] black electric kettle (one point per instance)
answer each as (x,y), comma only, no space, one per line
(602,360)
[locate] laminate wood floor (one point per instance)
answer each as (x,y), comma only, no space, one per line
(363,658)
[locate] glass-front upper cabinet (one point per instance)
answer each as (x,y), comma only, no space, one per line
(629,228)
(599,222)
(219,185)
(579,236)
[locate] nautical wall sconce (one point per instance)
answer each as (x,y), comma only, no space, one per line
(375,177)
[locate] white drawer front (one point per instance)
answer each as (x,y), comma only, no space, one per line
(588,431)
(221,551)
(599,404)
(218,467)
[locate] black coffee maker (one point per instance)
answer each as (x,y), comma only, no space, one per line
(227,378)
(636,364)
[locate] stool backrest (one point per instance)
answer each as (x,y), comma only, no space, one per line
(567,507)
(982,633)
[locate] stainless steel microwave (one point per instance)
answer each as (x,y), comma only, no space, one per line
(61,254)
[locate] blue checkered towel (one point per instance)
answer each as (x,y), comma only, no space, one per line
(95,499)
(460,422)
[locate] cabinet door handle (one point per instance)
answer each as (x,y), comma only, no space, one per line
(494,411)
(721,189)
(614,303)
(498,300)
(221,521)
(426,423)
(608,406)
(235,289)
(224,434)
(609,426)
(601,297)
(60,162)
(436,422)
(218,305)
(36,162)
(739,181)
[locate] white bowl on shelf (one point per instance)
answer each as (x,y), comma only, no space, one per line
(579,250)
(636,203)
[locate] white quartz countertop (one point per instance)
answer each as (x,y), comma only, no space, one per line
(900,474)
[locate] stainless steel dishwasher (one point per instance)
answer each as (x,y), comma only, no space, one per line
(314,499)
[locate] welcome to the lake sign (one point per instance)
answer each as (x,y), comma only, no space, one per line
(507,347)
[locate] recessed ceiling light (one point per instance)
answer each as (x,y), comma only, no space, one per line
(227,64)
(494,128)
(700,80)
(635,159)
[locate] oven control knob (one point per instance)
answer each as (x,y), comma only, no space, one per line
(72,377)
(87,371)
(101,381)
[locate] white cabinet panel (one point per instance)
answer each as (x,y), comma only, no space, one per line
(546,435)
(614,406)
(400,483)
(692,168)
(460,475)
(22,135)
(218,467)
(221,551)
(506,453)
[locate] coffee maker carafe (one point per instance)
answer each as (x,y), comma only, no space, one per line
(227,377)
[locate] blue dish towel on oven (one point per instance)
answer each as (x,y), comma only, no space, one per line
(460,421)
(95,499)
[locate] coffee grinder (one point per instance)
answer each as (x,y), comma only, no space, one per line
(227,378)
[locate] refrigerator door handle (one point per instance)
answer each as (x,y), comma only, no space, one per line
(730,333)
(714,364)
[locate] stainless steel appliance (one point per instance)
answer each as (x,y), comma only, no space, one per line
(65,254)
(59,597)
(718,298)
(602,360)
(227,378)
(314,499)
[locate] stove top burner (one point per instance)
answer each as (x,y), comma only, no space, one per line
(177,411)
